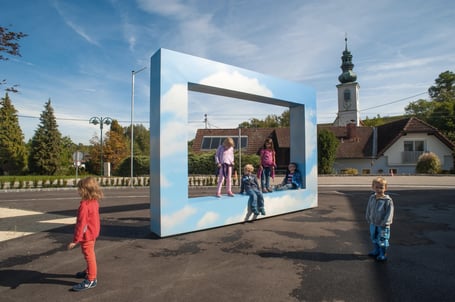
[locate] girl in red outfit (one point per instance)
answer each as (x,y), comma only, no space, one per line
(87,230)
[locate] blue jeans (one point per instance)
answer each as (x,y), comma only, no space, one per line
(265,177)
(380,235)
(256,199)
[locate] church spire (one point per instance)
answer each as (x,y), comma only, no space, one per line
(348,75)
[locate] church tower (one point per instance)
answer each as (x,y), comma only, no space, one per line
(348,92)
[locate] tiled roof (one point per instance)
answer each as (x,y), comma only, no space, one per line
(389,133)
(357,143)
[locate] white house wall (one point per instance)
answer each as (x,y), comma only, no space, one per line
(432,144)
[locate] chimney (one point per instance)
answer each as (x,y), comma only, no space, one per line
(351,130)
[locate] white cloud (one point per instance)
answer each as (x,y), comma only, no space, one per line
(169,8)
(75,27)
(283,204)
(175,101)
(173,137)
(238,82)
(208,219)
(177,218)
(164,182)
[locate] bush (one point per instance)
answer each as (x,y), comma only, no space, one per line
(428,163)
(204,163)
(141,166)
(349,171)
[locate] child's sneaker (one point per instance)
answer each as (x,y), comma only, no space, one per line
(86,284)
(262,210)
(81,275)
(255,211)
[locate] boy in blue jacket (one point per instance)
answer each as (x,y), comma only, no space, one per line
(250,186)
(379,214)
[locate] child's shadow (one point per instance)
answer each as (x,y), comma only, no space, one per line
(13,278)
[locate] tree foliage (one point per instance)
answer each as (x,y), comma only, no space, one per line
(141,166)
(270,121)
(115,148)
(9,45)
(66,156)
(440,111)
(327,148)
(46,144)
(141,143)
(13,151)
(444,90)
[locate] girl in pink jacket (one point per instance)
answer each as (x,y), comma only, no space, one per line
(224,159)
(87,229)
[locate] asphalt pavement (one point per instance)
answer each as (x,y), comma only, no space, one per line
(312,255)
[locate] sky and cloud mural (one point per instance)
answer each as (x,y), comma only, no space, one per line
(174,76)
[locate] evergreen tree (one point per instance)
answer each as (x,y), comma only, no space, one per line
(46,144)
(13,151)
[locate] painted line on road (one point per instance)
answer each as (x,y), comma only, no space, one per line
(15,222)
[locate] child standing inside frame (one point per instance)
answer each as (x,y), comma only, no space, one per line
(268,164)
(379,214)
(250,186)
(224,159)
(87,230)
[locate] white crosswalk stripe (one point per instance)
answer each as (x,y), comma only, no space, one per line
(17,223)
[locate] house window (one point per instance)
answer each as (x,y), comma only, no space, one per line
(212,142)
(412,151)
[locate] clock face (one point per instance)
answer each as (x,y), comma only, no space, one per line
(347,104)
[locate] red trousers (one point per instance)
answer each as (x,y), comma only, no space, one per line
(88,250)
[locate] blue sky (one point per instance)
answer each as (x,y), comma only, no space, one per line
(80,54)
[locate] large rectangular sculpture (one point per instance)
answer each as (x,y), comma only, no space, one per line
(173,75)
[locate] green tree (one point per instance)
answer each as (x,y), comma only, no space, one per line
(443,118)
(13,151)
(373,122)
(46,144)
(444,90)
(116,146)
(141,139)
(440,111)
(270,121)
(420,109)
(66,156)
(9,45)
(327,148)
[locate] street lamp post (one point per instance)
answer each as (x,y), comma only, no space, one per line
(133,74)
(102,121)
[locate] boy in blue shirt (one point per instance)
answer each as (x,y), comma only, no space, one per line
(379,214)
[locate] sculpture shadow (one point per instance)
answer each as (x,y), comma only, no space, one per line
(14,278)
(313,256)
